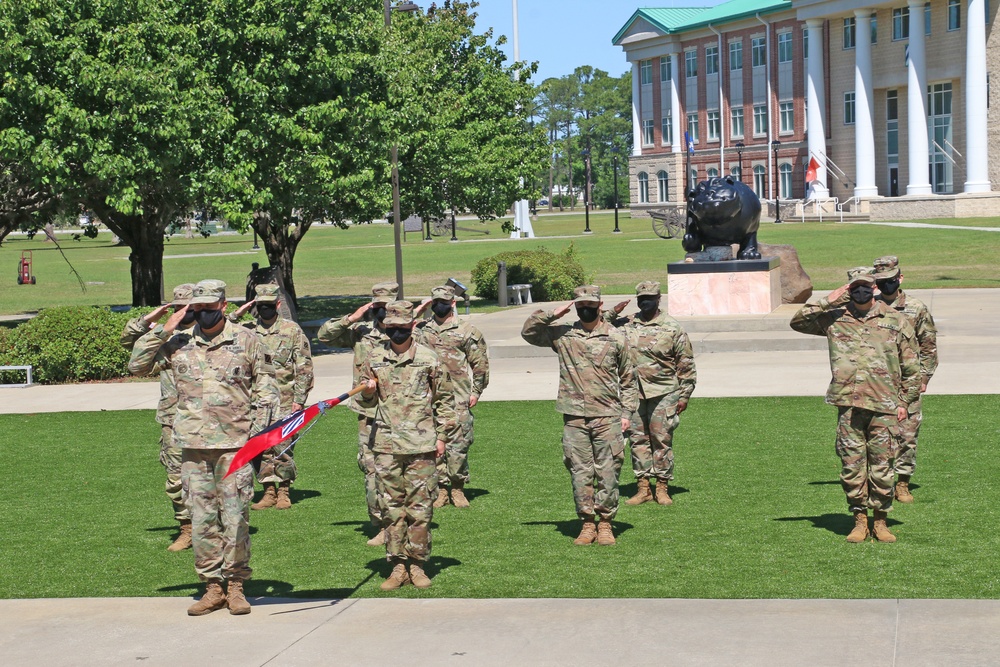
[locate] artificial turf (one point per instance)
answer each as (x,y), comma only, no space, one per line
(758,513)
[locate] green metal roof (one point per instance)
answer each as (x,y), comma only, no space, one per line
(680,19)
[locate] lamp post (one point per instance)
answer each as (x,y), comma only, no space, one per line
(739,151)
(397,224)
(614,154)
(586,191)
(777,183)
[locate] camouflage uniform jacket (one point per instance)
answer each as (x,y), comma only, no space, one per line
(662,354)
(923,325)
(362,338)
(414,399)
(873,357)
(596,373)
(165,409)
(460,347)
(225,385)
(291,356)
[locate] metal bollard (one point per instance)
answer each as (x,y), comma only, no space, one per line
(502,283)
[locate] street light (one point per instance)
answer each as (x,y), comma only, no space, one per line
(397,224)
(777,184)
(614,153)
(739,151)
(586,191)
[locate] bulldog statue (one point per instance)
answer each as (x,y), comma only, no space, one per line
(721,211)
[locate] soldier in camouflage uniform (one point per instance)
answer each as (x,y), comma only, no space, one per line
(888,279)
(291,356)
(170,455)
(225,393)
(876,375)
(362,331)
(664,365)
(460,346)
(413,398)
(597,397)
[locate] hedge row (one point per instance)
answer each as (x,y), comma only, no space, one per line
(552,277)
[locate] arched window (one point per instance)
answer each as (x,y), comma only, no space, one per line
(663,181)
(693,178)
(643,187)
(735,172)
(713,172)
(759,184)
(785,175)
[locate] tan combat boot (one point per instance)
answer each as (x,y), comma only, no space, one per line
(183,540)
(605,536)
(284,502)
(378,540)
(881,530)
(442,498)
(213,599)
(903,494)
(588,534)
(269,499)
(418,576)
(458,498)
(398,578)
(860,532)
(237,602)
(642,495)
(663,493)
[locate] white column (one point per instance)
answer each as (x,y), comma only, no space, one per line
(864,134)
(678,124)
(636,122)
(916,103)
(816,100)
(977,177)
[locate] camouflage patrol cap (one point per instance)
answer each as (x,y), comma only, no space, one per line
(398,314)
(384,292)
(209,291)
(647,288)
(886,267)
(267,293)
(183,294)
(861,274)
(587,293)
(443,293)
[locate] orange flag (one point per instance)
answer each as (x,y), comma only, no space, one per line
(811,171)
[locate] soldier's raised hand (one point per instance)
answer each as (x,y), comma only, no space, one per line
(174,320)
(423,306)
(359,314)
(562,310)
(838,294)
(238,313)
(619,307)
(157,315)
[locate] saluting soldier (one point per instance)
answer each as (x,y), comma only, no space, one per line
(876,375)
(225,393)
(362,331)
(597,396)
(413,398)
(888,279)
(170,454)
(291,357)
(461,347)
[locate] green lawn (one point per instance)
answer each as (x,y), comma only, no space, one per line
(758,513)
(333,262)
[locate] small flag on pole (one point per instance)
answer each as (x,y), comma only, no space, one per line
(689,141)
(811,171)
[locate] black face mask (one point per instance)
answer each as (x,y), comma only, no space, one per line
(890,286)
(587,314)
(208,318)
(862,294)
(188,318)
(648,305)
(267,311)
(378,314)
(398,336)
(441,309)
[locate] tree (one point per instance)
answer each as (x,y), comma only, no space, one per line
(24,205)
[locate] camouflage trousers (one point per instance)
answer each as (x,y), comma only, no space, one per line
(276,469)
(220,513)
(170,459)
(651,436)
(909,429)
(593,451)
(453,467)
(409,485)
(366,463)
(865,444)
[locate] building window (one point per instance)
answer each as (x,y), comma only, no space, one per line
(786,112)
(662,191)
(805,43)
(643,187)
(954,15)
(692,178)
(785,47)
(646,72)
(714,126)
(667,127)
(735,56)
(759,184)
(711,60)
(927,18)
(647,132)
(693,127)
(849,33)
(736,173)
(940,126)
(736,122)
(713,172)
(874,28)
(758,52)
(849,108)
(760,120)
(664,69)
(785,181)
(691,64)
(900,23)
(892,125)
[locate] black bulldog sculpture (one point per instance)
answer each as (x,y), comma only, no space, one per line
(721,211)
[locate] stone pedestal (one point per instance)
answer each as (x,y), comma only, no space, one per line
(737,287)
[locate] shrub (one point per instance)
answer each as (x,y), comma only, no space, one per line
(553,277)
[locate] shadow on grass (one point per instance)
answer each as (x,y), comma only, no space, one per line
(295,495)
(629,490)
(828,482)
(840,524)
(573,528)
(381,567)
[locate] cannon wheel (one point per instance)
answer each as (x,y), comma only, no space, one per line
(669,225)
(441,227)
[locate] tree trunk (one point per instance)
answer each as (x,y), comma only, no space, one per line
(281,240)
(143,234)
(552,166)
(569,168)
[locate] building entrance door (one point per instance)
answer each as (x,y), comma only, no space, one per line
(893,181)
